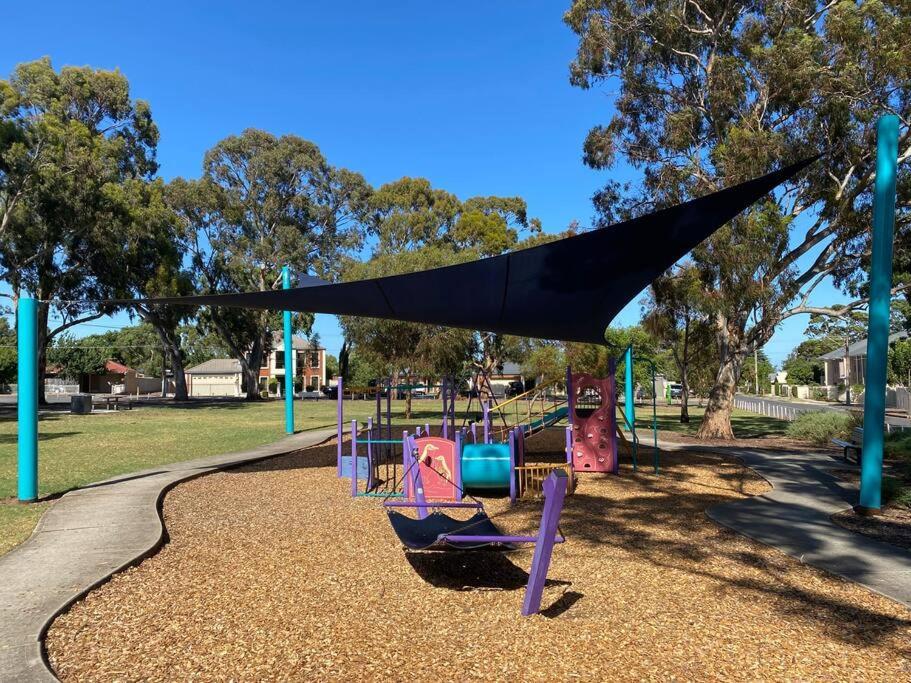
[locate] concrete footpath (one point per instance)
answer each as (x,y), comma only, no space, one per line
(86,536)
(795,518)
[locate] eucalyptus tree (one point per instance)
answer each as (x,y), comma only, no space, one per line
(713,92)
(674,317)
(412,223)
(265,202)
(67,140)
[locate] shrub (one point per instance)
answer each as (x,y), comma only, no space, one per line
(794,392)
(898,445)
(820,427)
(819,394)
(896,492)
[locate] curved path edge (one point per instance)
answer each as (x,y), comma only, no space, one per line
(87,536)
(795,518)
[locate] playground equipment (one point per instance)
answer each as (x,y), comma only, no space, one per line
(594,424)
(439,532)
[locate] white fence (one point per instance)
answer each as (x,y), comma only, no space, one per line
(772,408)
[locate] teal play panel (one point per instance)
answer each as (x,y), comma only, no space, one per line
(549,419)
(485,466)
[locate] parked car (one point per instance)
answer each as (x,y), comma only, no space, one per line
(676,391)
(515,388)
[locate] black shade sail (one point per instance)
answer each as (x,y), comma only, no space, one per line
(566,290)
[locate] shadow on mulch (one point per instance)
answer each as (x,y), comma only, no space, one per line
(624,523)
(480,569)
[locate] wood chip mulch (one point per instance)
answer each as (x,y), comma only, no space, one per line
(273,572)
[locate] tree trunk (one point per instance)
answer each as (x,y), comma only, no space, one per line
(170,340)
(716,423)
(684,382)
(343,358)
(684,397)
(408,396)
(847,374)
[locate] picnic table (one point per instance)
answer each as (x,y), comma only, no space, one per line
(118,402)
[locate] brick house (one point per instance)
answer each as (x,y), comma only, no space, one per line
(308,363)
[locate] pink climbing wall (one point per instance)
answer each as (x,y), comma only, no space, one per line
(594,424)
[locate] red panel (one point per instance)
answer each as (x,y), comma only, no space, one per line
(437,457)
(594,443)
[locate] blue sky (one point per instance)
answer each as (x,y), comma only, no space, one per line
(471,95)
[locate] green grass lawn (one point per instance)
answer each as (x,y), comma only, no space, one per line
(74,450)
(746,425)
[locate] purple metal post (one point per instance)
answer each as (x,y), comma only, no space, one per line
(369,453)
(406,467)
(457,466)
(340,419)
(418,484)
(389,410)
(486,422)
(445,409)
(353,458)
(570,396)
(427,429)
(569,445)
(474,432)
(554,491)
(512,466)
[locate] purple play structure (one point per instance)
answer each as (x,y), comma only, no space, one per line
(441,533)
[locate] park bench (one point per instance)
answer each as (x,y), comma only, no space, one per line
(855,444)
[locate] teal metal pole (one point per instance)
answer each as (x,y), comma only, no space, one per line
(871,470)
(27,343)
(630,411)
(630,398)
(289,360)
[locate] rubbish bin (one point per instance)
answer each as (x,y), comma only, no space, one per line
(81,404)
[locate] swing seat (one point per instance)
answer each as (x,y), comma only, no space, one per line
(431,532)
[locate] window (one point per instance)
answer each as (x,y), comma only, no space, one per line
(314,359)
(279,360)
(301,357)
(314,382)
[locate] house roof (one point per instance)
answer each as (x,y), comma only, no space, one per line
(510,368)
(859,348)
(216,366)
(117,368)
(297,343)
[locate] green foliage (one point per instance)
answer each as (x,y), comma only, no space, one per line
(803,365)
(710,95)
(265,202)
(748,376)
(8,357)
(820,427)
(331,366)
(545,361)
(801,371)
(900,362)
(137,347)
(896,492)
(70,141)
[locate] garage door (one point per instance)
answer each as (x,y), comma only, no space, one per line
(214,385)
